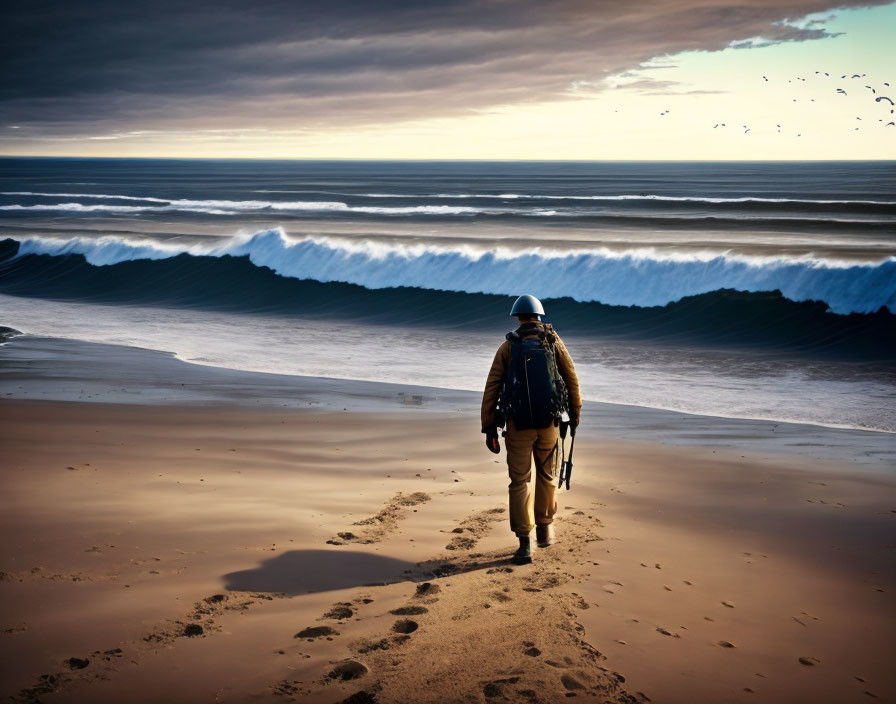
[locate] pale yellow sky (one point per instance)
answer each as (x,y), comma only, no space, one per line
(668,108)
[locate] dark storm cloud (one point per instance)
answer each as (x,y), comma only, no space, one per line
(88,67)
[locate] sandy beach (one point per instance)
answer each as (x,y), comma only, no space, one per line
(181,533)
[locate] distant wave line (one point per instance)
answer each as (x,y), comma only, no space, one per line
(608,198)
(230,207)
(472,196)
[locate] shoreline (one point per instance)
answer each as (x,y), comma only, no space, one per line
(64,369)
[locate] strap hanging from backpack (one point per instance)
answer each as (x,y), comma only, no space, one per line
(566,465)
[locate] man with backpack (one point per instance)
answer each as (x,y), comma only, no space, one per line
(531,385)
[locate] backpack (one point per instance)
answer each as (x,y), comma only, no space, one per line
(534,394)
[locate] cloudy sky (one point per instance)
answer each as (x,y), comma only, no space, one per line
(486,79)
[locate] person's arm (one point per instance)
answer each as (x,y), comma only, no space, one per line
(493,384)
(568,372)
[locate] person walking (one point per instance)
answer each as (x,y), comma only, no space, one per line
(531,383)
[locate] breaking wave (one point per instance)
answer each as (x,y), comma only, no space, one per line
(634,277)
(445,288)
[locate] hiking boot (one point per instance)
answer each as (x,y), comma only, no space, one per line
(544,533)
(523,555)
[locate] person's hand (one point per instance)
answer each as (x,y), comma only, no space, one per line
(573,419)
(491,440)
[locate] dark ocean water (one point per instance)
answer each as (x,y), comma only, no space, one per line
(665,271)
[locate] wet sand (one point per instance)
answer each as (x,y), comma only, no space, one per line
(233,549)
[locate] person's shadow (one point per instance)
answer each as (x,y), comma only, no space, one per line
(304,571)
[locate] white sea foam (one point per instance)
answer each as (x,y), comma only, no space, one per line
(81,208)
(229,207)
(607,198)
(638,277)
(232,207)
(337,205)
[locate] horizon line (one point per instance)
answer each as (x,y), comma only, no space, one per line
(451,160)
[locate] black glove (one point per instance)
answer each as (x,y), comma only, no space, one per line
(573,419)
(491,440)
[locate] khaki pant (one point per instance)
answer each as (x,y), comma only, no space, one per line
(528,507)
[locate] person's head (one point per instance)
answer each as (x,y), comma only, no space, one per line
(527,309)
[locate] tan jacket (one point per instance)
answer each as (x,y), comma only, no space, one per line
(496,374)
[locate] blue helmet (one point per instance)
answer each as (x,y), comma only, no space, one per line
(527,305)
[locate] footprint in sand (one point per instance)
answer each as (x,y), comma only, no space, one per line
(348,670)
(313,632)
(531,651)
(381,524)
(426,590)
(474,527)
(495,689)
(461,544)
(405,626)
(340,611)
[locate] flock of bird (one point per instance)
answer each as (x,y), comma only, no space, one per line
(881,99)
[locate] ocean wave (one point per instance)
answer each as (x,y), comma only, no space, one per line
(81,208)
(597,197)
(736,220)
(229,207)
(313,204)
(622,197)
(217,205)
(640,277)
(202,280)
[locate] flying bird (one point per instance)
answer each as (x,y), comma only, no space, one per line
(890,124)
(764,79)
(840,90)
(883,97)
(871,89)
(855,75)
